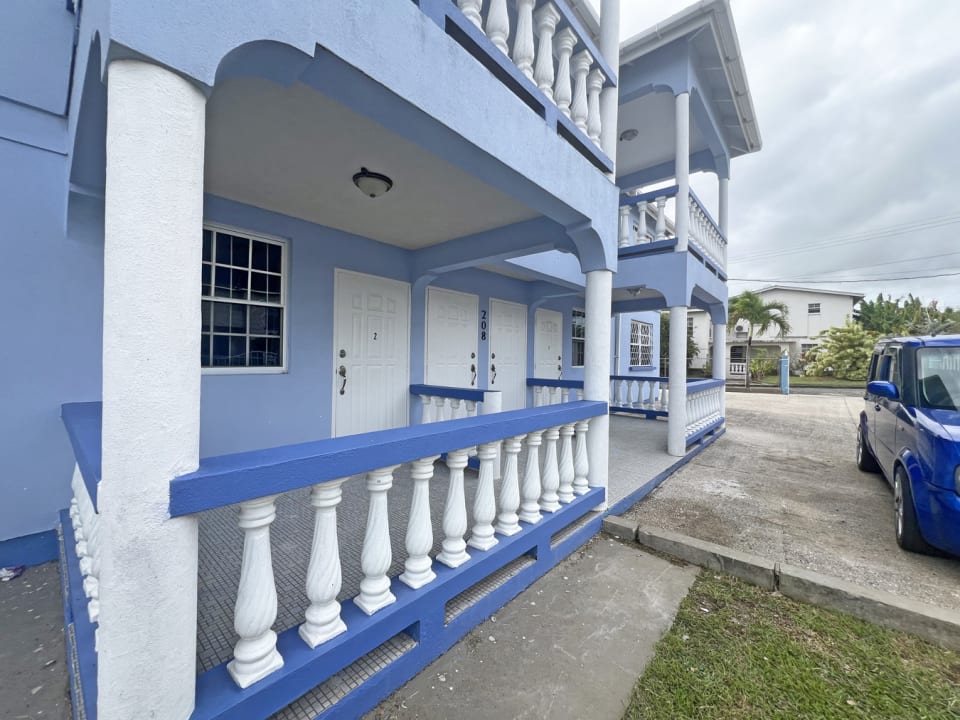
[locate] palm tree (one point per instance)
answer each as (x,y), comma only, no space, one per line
(750,308)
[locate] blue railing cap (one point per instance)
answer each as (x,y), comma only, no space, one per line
(668,192)
(457,393)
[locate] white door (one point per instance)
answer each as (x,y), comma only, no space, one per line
(548,344)
(508,353)
(451,354)
(371,353)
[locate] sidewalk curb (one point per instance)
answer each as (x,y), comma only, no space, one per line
(934,624)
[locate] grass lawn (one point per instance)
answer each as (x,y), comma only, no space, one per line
(736,651)
(811,381)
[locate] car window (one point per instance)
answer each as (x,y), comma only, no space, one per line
(893,370)
(874,363)
(938,375)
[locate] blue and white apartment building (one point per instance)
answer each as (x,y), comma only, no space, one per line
(322,316)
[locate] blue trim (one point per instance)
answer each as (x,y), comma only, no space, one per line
(81,645)
(697,385)
(456,393)
(547,382)
(229,479)
(641,367)
(83,422)
(418,613)
(633,200)
(29,550)
(641,492)
(640,377)
(693,247)
(651,248)
(702,433)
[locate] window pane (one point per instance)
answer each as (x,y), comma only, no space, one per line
(273,252)
(221,350)
(223,248)
(238,283)
(206,308)
(264,320)
(259,261)
(258,286)
(241,251)
(207,245)
(238,350)
(222,283)
(229,318)
(205,278)
(265,352)
(204,350)
(273,288)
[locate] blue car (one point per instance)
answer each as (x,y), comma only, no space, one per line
(910,431)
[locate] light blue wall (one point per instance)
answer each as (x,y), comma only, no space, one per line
(620,365)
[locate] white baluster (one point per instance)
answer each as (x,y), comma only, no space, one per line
(661,227)
(472,8)
(594,87)
(91,569)
(664,396)
(440,404)
(377,554)
(581,466)
(255,655)
(565,394)
(564,43)
(580,394)
(454,552)
(485,503)
(623,238)
(580,64)
(550,481)
(635,390)
(498,25)
(324,576)
(454,408)
(426,409)
(613,392)
(471,408)
(537,396)
(642,222)
(565,491)
(530,490)
(418,568)
(507,520)
(523,40)
(545,20)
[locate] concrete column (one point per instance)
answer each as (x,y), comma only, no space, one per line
(723,189)
(153,215)
(610,97)
(682,171)
(677,402)
(720,360)
(596,371)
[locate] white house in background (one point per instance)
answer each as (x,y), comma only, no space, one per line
(810,311)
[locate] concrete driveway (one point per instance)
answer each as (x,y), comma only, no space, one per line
(782,483)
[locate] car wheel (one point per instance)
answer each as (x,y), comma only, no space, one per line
(905,516)
(866,462)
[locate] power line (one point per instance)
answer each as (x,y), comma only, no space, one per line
(861,280)
(894,262)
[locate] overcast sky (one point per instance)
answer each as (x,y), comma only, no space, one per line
(858,103)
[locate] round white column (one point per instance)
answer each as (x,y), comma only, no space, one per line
(723,190)
(596,371)
(153,216)
(720,362)
(677,400)
(682,171)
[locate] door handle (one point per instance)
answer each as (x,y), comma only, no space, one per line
(559,371)
(877,408)
(342,372)
(493,378)
(473,369)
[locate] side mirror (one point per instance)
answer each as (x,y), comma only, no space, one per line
(884,389)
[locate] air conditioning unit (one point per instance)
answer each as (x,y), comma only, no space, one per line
(739,328)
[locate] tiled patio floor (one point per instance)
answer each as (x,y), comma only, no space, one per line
(637,454)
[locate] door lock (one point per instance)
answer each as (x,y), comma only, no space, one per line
(342,372)
(473,369)
(493,377)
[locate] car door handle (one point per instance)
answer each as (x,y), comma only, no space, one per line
(877,408)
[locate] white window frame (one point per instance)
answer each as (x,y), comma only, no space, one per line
(811,310)
(574,339)
(637,344)
(284,294)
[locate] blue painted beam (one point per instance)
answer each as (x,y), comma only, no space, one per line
(632,200)
(83,422)
(651,248)
(457,393)
(700,435)
(550,382)
(229,479)
(700,161)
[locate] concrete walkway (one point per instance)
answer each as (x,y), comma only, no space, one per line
(571,646)
(782,483)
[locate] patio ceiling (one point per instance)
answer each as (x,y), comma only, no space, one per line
(653,116)
(294,151)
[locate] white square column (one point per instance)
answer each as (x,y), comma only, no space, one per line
(153,220)
(596,372)
(719,354)
(677,384)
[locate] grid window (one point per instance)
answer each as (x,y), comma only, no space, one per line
(641,343)
(813,308)
(578,333)
(242,304)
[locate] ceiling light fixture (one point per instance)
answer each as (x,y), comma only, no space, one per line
(372,183)
(629,134)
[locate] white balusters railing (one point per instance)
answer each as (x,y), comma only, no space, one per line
(705,234)
(555,392)
(86,531)
(738,368)
(703,405)
(645,218)
(639,393)
(438,403)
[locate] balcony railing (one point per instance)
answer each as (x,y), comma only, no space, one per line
(440,402)
(705,235)
(703,408)
(644,219)
(540,51)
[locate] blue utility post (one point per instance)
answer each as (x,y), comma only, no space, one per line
(785,374)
